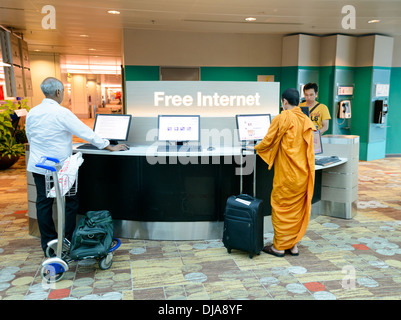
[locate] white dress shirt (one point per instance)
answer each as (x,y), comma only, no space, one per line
(49,129)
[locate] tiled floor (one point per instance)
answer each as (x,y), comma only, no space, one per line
(339,259)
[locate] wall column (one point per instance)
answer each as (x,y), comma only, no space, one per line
(373,67)
(79,97)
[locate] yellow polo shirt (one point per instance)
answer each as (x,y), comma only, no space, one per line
(320,113)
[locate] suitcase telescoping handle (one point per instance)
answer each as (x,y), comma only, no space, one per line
(254,172)
(42,165)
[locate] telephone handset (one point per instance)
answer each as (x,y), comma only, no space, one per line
(380,113)
(344,109)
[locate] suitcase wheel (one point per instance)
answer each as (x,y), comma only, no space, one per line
(252,254)
(229,250)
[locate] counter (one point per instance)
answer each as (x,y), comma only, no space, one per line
(171,195)
(163,195)
(174,195)
(340,183)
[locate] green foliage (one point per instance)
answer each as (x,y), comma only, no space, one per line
(9,146)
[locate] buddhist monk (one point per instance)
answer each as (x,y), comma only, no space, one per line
(288,145)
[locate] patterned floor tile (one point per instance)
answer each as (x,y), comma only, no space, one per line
(339,259)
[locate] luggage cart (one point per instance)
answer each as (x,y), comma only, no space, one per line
(54,268)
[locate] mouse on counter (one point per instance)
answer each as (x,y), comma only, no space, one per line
(211,148)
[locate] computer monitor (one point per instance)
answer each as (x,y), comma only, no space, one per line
(317,142)
(113,127)
(178,128)
(252,127)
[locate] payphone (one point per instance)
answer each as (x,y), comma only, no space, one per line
(344,109)
(380,112)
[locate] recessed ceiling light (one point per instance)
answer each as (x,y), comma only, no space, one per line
(92,49)
(84,35)
(250,19)
(37,50)
(113,12)
(373,21)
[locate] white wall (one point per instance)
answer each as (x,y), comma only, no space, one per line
(79,97)
(346,50)
(42,65)
(309,51)
(397,52)
(290,45)
(383,54)
(169,48)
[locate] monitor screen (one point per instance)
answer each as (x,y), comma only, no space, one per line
(179,128)
(113,127)
(317,142)
(253,126)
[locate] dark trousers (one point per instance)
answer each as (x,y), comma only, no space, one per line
(45,213)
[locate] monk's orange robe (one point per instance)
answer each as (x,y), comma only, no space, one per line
(289,146)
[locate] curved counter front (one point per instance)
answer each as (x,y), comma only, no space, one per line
(174,195)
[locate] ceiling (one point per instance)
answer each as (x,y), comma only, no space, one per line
(83,27)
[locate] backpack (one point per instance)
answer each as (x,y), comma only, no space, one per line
(93,236)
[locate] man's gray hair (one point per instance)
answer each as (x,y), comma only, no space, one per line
(50,85)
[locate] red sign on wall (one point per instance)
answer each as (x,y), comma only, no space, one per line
(1,92)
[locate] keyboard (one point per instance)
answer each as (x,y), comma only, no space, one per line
(185,148)
(325,161)
(88,146)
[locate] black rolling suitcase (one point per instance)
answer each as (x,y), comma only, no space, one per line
(243,222)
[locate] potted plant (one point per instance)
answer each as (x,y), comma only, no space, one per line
(11,148)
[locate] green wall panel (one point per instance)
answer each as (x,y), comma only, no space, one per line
(375,150)
(308,74)
(343,76)
(393,141)
(361,103)
(141,73)
(325,95)
(289,78)
(328,77)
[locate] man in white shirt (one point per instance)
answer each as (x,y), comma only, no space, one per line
(49,129)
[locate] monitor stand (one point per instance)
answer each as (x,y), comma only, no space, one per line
(249,145)
(178,146)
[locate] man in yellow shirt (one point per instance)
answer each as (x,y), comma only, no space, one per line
(319,113)
(289,146)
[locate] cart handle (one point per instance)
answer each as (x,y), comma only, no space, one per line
(42,165)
